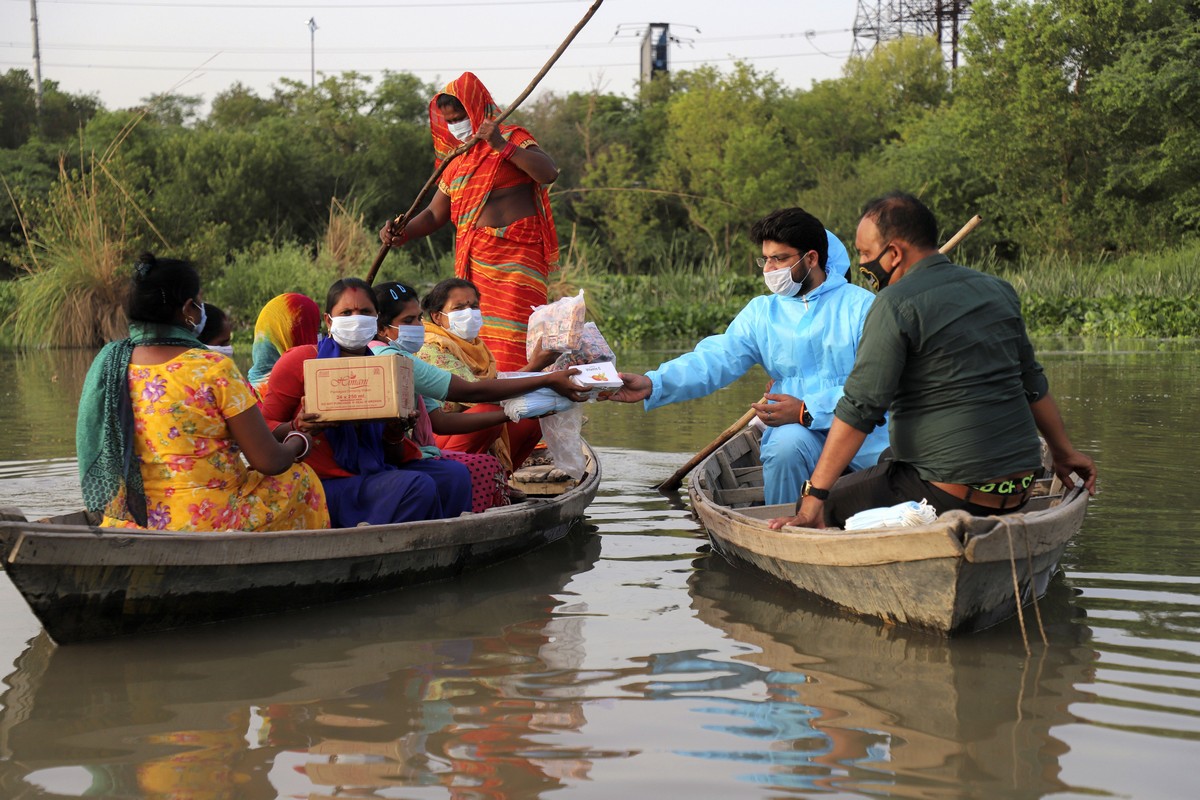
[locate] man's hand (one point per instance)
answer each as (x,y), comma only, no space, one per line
(781,409)
(1079,463)
(810,514)
(634,388)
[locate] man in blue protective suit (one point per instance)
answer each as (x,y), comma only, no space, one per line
(804,334)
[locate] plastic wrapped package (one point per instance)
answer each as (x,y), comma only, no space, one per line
(535,404)
(902,515)
(558,325)
(592,348)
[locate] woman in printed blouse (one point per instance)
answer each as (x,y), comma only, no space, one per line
(165,422)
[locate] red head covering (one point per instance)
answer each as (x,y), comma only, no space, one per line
(469,179)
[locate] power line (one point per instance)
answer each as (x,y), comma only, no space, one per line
(286,70)
(321,6)
(486,48)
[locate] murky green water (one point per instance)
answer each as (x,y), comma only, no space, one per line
(625,662)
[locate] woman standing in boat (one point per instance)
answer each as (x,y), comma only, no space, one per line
(496,196)
(164,422)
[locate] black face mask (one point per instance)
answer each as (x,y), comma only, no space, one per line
(877,279)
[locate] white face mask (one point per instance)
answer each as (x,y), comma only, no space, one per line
(460,130)
(199,326)
(465,323)
(780,281)
(409,338)
(223,349)
(353,332)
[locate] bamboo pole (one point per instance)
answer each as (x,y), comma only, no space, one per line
(403,219)
(673,483)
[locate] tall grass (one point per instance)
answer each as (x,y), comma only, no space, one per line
(77,262)
(346,245)
(1169,273)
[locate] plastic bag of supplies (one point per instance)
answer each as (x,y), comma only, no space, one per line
(593,348)
(558,325)
(535,404)
(902,515)
(562,434)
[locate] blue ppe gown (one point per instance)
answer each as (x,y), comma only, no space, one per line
(807,344)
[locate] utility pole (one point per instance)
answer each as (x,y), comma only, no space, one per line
(37,60)
(655,52)
(312,51)
(884,20)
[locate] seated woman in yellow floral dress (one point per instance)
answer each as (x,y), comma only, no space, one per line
(164,424)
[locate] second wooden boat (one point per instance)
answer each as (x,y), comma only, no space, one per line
(959,574)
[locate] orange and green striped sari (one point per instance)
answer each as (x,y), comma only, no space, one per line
(511,265)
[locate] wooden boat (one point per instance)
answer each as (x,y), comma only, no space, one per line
(955,575)
(85,582)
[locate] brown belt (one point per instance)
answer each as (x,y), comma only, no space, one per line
(999,502)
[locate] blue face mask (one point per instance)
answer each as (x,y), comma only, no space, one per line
(409,338)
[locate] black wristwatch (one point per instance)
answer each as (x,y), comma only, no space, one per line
(808,490)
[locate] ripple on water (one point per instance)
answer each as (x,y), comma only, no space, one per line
(1146,631)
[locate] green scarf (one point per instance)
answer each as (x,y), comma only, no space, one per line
(104,431)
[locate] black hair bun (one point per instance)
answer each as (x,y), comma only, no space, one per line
(145,263)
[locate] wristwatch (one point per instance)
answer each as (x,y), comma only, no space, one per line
(808,490)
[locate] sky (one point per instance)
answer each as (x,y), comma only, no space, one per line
(126,50)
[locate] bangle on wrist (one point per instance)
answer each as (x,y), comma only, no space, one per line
(507,152)
(304,438)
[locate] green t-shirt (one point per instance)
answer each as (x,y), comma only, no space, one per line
(945,351)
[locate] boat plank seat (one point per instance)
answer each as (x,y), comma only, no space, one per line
(736,473)
(739,498)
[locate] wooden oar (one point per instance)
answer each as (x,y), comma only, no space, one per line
(673,483)
(402,220)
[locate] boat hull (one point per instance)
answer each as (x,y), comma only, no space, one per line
(958,575)
(87,583)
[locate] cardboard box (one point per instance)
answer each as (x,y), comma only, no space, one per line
(359,387)
(597,378)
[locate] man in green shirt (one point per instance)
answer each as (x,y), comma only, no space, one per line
(944,349)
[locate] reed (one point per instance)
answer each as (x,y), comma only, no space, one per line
(346,243)
(77,259)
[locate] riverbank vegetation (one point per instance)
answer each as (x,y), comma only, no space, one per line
(1070,127)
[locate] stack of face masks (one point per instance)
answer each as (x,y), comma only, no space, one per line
(535,404)
(901,515)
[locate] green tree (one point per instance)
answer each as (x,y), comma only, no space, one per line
(724,151)
(239,107)
(173,110)
(1029,117)
(1150,95)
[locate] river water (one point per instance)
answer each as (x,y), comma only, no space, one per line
(628,661)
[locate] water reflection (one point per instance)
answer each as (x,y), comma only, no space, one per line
(452,685)
(642,669)
(853,706)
